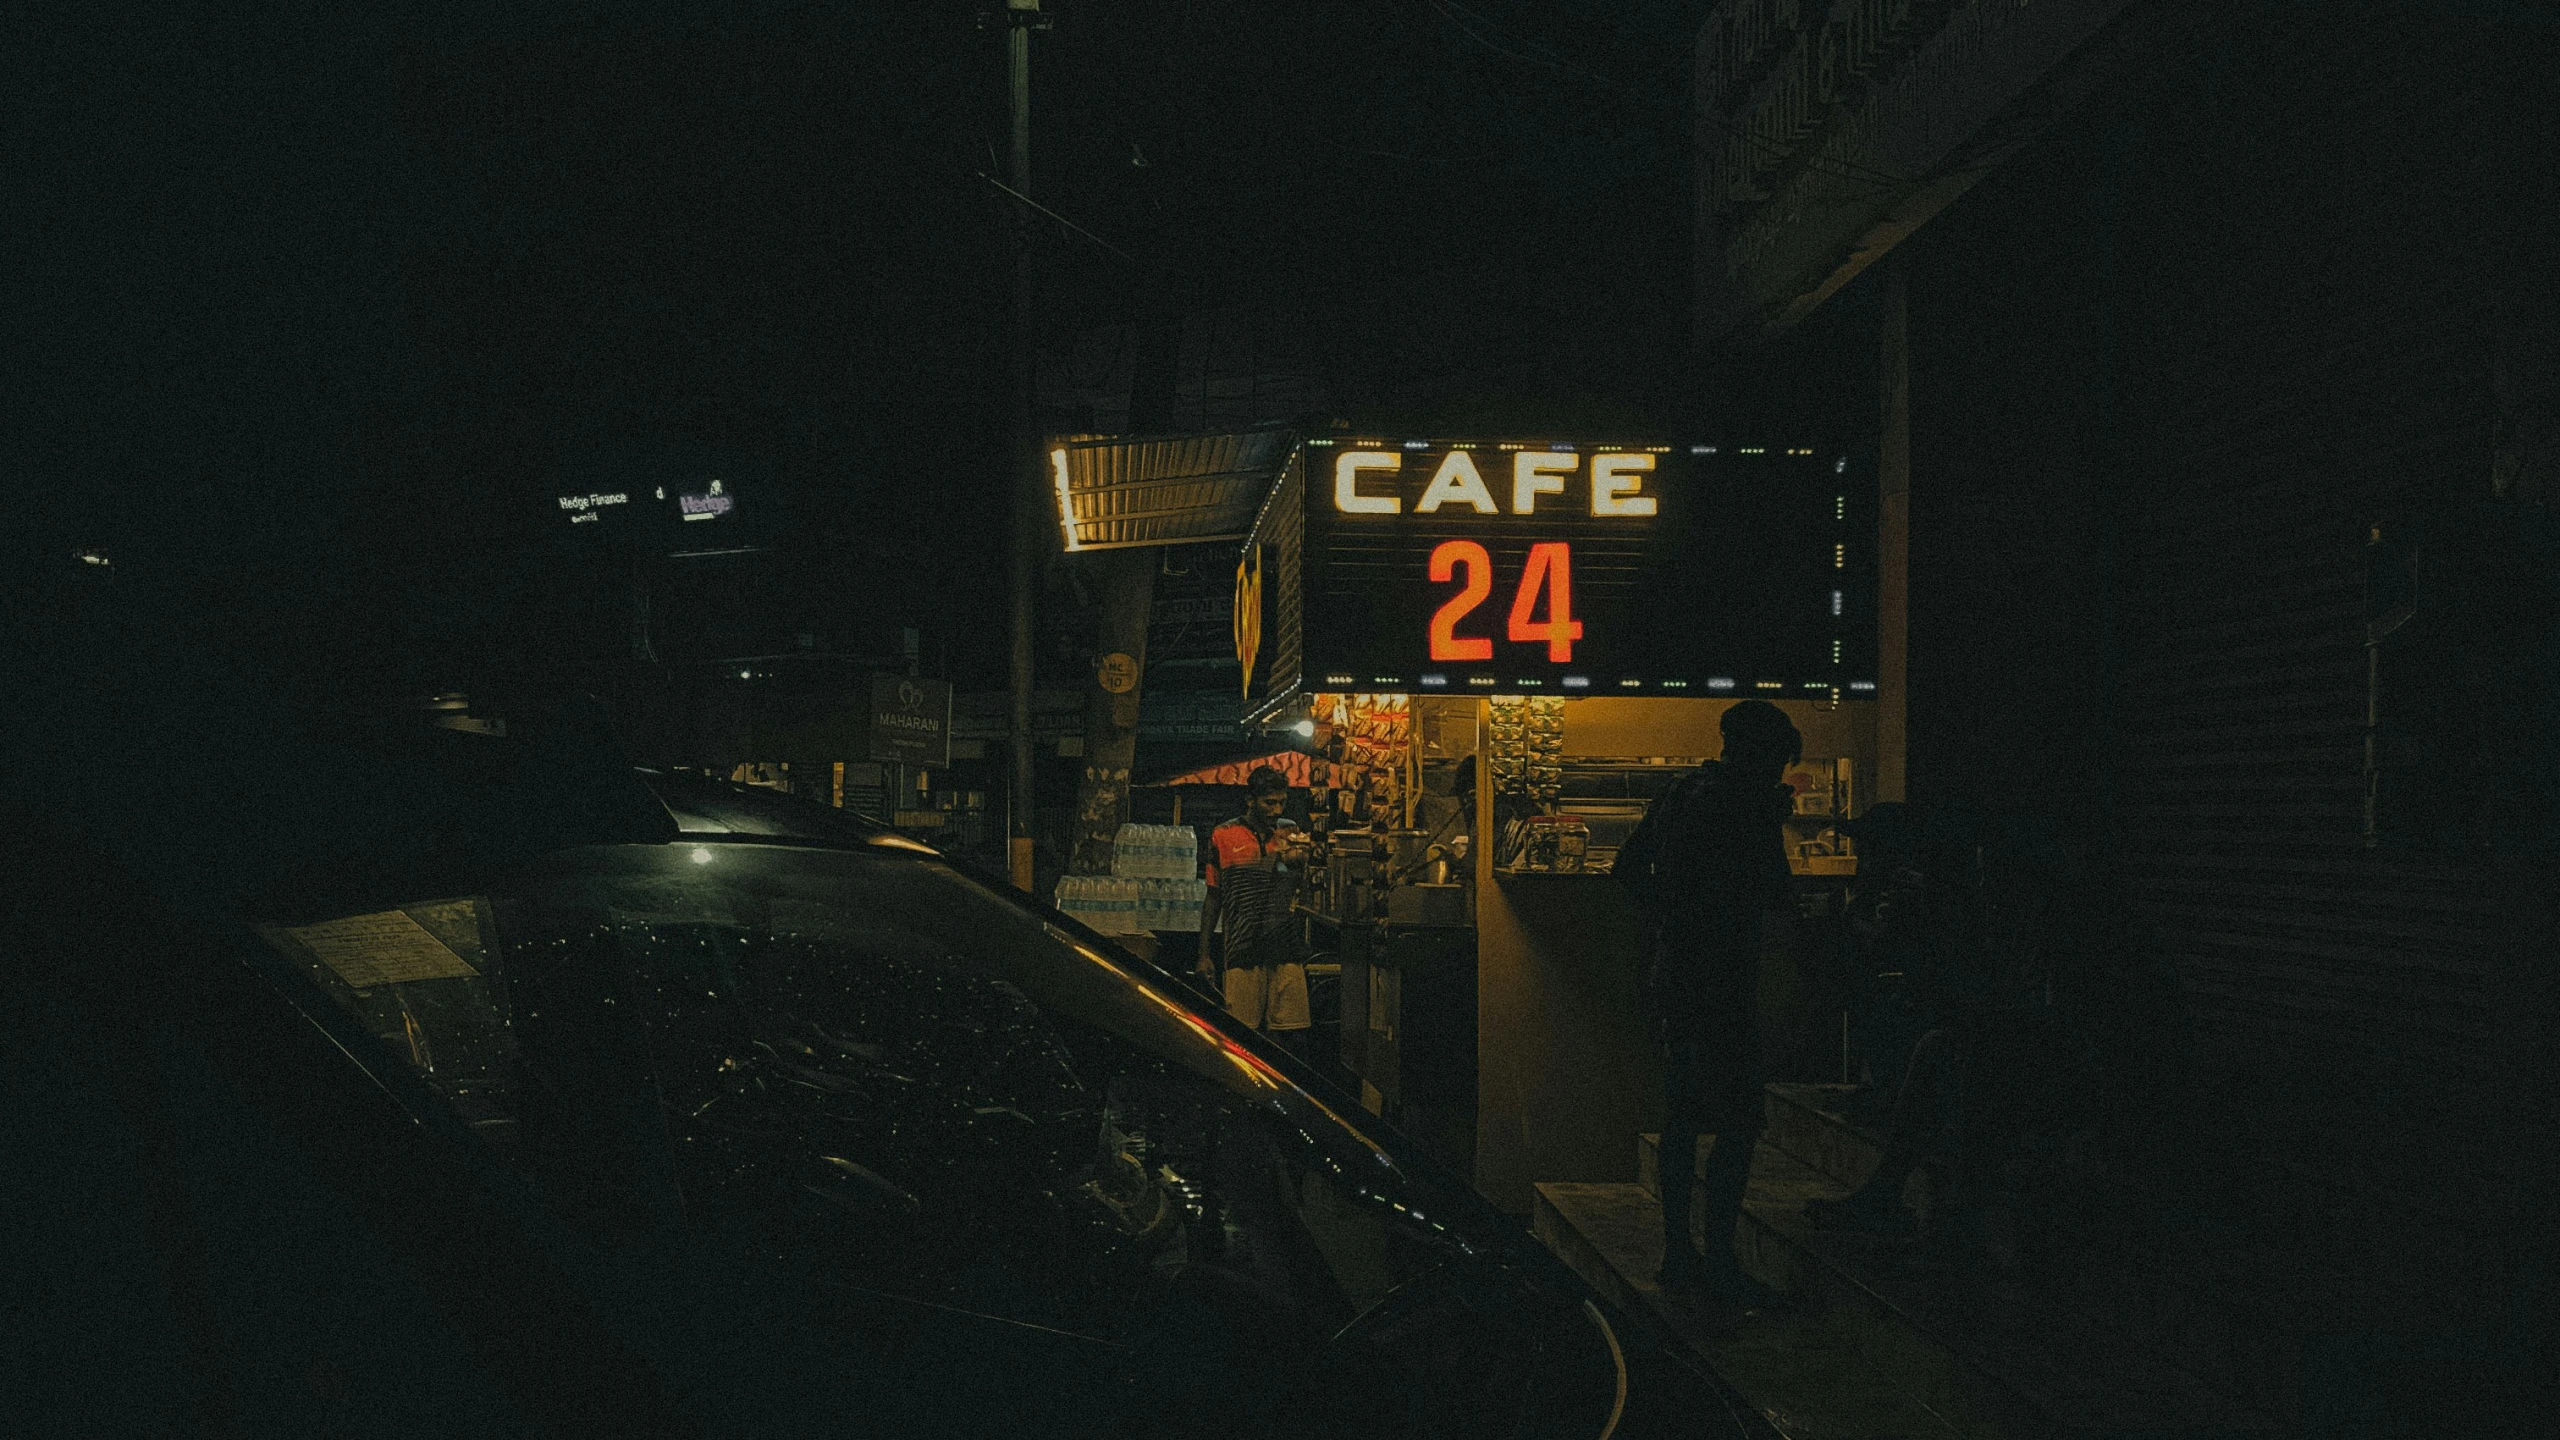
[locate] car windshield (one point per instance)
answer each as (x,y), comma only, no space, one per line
(867,1058)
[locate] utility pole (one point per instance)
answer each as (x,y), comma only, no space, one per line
(1021,17)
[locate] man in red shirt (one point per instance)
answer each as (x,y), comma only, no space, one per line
(1245,922)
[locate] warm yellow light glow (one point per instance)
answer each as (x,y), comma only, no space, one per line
(1346,482)
(1066,508)
(1614,479)
(1535,473)
(1457,479)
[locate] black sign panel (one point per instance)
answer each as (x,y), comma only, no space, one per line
(663,508)
(911,720)
(1503,567)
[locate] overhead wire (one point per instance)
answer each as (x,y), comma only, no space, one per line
(1026,200)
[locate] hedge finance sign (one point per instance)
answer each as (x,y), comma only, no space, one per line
(663,509)
(1545,568)
(590,508)
(910,720)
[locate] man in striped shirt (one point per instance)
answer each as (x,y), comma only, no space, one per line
(1245,924)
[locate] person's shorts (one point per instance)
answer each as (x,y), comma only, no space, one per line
(1269,997)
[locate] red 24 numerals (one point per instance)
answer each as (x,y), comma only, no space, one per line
(1550,567)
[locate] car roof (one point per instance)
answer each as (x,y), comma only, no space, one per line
(704,806)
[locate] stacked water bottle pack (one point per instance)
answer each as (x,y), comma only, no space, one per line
(1153,884)
(1156,852)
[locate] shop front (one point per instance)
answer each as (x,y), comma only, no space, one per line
(1504,651)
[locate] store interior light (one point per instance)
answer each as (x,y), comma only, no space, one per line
(1066,504)
(1304,729)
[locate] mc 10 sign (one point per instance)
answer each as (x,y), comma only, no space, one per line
(1519,566)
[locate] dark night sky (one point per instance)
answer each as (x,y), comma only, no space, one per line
(314,306)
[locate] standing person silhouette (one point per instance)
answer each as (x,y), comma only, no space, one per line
(1247,933)
(1708,860)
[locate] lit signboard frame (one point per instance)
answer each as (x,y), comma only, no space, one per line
(1437,566)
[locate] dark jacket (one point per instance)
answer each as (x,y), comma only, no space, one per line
(1708,858)
(1710,847)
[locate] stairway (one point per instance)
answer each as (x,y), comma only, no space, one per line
(2089,1340)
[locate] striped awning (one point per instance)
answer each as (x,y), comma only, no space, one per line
(1165,489)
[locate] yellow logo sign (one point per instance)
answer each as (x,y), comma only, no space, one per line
(1117,673)
(1249,613)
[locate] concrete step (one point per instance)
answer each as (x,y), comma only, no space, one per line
(1812,1123)
(1804,1374)
(2010,1361)
(1807,1122)
(2235,1316)
(2013,1348)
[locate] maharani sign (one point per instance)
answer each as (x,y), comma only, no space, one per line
(910,720)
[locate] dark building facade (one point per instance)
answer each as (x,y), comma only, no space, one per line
(2213,347)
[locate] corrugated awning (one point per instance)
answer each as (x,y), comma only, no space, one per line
(1302,769)
(1165,489)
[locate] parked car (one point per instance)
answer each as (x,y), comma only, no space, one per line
(736,1114)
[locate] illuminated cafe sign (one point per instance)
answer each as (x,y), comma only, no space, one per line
(1532,567)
